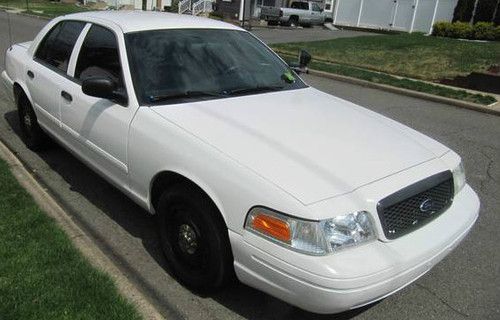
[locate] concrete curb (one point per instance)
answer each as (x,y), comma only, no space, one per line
(77,236)
(410,93)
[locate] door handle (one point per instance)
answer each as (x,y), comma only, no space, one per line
(30,74)
(66,96)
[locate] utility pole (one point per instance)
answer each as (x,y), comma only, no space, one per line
(27,6)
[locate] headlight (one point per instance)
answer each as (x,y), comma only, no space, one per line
(312,237)
(459,178)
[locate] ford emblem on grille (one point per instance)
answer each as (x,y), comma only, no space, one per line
(426,205)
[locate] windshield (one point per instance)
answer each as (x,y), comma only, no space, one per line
(172,66)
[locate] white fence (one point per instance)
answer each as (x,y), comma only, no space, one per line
(403,15)
(184,6)
(202,6)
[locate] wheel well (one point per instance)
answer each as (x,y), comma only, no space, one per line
(19,93)
(294,17)
(166,179)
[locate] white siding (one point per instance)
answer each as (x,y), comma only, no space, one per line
(348,12)
(445,10)
(404,14)
(377,13)
(394,14)
(423,18)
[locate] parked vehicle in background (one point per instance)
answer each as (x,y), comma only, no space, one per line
(300,13)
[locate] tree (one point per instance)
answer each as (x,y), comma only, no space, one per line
(473,11)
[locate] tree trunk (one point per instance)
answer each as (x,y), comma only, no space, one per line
(493,18)
(473,12)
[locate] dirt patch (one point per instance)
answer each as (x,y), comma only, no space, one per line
(488,81)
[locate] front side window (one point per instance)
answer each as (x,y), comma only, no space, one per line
(168,65)
(315,7)
(99,57)
(55,49)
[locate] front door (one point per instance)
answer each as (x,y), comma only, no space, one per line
(98,127)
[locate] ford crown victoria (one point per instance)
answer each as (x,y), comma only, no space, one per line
(250,171)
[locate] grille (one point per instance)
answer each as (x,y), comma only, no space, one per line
(416,205)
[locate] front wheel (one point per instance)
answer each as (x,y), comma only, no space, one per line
(194,238)
(293,21)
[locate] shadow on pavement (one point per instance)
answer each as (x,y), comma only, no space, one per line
(239,298)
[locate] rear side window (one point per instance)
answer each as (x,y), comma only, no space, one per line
(99,56)
(55,49)
(300,5)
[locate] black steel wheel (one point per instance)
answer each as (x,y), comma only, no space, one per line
(32,135)
(194,238)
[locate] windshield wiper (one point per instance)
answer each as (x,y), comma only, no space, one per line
(253,89)
(183,94)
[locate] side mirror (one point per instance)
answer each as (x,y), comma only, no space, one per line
(103,88)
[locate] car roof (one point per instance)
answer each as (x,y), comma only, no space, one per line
(136,20)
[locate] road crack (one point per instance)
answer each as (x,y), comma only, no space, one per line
(443,301)
(489,166)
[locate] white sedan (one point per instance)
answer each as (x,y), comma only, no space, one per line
(251,172)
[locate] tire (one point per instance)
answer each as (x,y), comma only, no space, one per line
(194,239)
(32,135)
(293,21)
(272,23)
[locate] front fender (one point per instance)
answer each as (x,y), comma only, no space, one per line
(157,145)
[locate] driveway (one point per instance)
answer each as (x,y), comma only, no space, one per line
(465,285)
(282,35)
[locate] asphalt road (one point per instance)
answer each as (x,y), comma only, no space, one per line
(465,285)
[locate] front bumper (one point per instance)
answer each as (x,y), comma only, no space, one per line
(353,277)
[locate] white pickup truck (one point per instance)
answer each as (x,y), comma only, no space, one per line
(300,13)
(249,171)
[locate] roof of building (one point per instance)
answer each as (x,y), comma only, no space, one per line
(136,20)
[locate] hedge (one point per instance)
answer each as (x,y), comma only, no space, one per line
(463,30)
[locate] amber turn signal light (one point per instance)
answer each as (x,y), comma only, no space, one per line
(273,227)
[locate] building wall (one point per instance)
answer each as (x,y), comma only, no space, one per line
(402,15)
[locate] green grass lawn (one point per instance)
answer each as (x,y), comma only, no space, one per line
(42,275)
(408,55)
(43,7)
(383,78)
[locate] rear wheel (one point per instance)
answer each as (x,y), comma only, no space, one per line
(32,135)
(194,238)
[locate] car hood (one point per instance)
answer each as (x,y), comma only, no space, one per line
(312,145)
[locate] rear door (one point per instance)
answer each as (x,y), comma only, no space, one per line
(48,68)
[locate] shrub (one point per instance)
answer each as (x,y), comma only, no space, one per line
(453,30)
(463,30)
(440,28)
(484,31)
